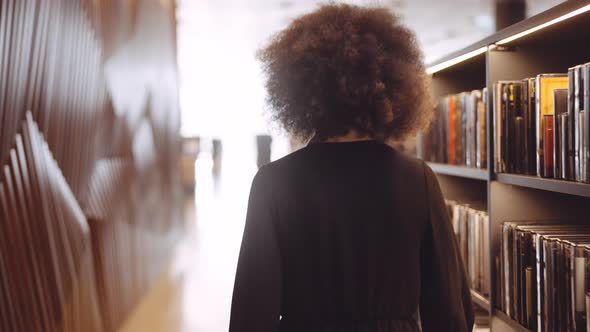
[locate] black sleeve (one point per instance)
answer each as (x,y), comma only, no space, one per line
(445,300)
(256,303)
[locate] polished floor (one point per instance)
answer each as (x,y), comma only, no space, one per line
(195,296)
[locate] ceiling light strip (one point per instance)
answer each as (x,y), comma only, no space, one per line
(544,25)
(449,63)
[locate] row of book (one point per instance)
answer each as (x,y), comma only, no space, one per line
(471,227)
(541,125)
(544,275)
(458,134)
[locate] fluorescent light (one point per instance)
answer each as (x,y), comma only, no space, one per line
(546,24)
(454,61)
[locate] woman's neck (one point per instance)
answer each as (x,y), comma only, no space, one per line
(351,136)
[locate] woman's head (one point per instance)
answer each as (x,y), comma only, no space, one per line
(344,68)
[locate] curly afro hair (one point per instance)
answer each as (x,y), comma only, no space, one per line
(346,67)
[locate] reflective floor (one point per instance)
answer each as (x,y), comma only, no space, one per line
(195,296)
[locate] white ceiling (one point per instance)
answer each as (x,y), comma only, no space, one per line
(221,87)
(441,26)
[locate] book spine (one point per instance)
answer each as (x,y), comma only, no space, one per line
(579,289)
(531,123)
(539,128)
(507,120)
(548,146)
(481,132)
(564,132)
(582,132)
(524,109)
(540,282)
(452,130)
(498,128)
(529,297)
(518,144)
(576,123)
(560,107)
(586,136)
(569,171)
(556,145)
(506,258)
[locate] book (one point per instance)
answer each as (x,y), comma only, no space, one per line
(548,120)
(545,84)
(559,107)
(585,138)
(471,227)
(458,133)
(544,274)
(481,124)
(572,110)
(519,109)
(564,149)
(530,118)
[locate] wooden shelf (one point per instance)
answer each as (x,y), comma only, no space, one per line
(480,300)
(559,186)
(460,171)
(511,325)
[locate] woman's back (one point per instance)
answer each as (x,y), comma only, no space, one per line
(352,225)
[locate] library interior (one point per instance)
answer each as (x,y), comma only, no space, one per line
(161,169)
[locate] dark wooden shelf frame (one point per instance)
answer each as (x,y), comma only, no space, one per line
(510,322)
(558,186)
(460,171)
(480,300)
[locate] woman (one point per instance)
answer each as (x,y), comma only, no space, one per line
(347,234)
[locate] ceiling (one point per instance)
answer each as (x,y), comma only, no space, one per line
(441,26)
(221,86)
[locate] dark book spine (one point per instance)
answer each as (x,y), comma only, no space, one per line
(569,172)
(582,131)
(578,100)
(531,127)
(518,144)
(504,134)
(509,128)
(586,123)
(564,148)
(579,279)
(559,107)
(556,146)
(548,145)
(540,282)
(530,316)
(524,109)
(539,128)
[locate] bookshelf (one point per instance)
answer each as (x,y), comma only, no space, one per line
(460,171)
(558,186)
(546,43)
(482,301)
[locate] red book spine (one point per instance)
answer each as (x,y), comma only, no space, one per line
(548,143)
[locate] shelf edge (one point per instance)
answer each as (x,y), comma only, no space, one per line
(480,300)
(509,321)
(559,186)
(459,171)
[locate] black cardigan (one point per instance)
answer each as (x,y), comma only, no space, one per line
(349,237)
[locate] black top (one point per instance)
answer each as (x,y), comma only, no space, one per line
(345,237)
